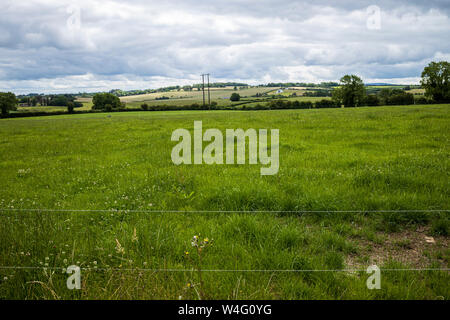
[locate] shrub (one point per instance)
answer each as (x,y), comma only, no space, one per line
(372,100)
(70,106)
(235,97)
(422,100)
(325,103)
(144,106)
(401,99)
(306,105)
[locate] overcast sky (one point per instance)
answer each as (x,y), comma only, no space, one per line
(71,46)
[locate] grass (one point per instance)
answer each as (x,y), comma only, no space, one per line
(384,158)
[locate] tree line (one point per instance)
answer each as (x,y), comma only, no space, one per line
(349,92)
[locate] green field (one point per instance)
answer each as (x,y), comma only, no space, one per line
(359,159)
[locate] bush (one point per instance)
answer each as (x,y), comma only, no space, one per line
(306,105)
(235,97)
(422,100)
(372,100)
(144,106)
(70,106)
(400,99)
(325,103)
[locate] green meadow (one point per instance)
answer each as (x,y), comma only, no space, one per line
(355,187)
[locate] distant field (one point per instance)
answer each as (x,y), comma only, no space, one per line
(219,95)
(41,109)
(364,159)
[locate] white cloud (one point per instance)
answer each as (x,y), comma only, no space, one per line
(45,46)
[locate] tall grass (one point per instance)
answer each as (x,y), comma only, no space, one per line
(364,159)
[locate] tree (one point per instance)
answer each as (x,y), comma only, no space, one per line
(107,101)
(436,81)
(8,101)
(372,100)
(60,100)
(351,92)
(235,97)
(70,106)
(325,103)
(403,98)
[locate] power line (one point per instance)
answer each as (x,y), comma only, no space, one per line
(209,97)
(203,89)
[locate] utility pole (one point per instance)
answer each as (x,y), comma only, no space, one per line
(209,97)
(203,89)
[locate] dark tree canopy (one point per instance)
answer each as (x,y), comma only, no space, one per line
(8,101)
(235,97)
(104,101)
(436,81)
(351,92)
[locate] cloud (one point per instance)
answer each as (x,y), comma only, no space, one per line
(61,46)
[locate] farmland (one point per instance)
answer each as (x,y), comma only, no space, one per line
(250,97)
(105,195)
(221,96)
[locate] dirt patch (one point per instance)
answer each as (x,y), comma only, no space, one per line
(414,248)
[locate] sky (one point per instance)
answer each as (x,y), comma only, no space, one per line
(55,46)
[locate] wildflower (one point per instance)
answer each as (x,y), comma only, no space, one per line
(65,260)
(194,241)
(95,262)
(5,278)
(186,253)
(188,285)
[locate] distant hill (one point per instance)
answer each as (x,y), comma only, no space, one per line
(385,84)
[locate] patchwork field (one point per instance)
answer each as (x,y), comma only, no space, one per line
(355,187)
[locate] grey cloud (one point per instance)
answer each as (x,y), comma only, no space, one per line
(149,42)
